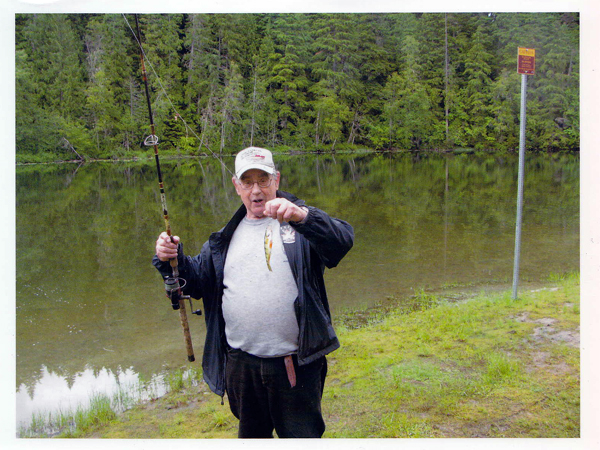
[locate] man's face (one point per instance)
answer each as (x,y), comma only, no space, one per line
(256,197)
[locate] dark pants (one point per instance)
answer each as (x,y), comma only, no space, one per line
(261,397)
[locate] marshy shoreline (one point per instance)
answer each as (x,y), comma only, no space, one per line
(456,363)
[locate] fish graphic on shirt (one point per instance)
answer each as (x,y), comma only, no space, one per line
(268,245)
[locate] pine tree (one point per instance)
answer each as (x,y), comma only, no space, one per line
(35,128)
(436,59)
(408,111)
(56,61)
(286,72)
(473,108)
(162,45)
(335,74)
(263,111)
(206,64)
(111,100)
(557,83)
(230,109)
(53,59)
(374,64)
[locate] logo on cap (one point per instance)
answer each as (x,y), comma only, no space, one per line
(254,158)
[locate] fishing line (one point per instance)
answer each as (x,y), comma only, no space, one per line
(164,91)
(172,284)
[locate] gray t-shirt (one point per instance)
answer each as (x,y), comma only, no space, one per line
(258,302)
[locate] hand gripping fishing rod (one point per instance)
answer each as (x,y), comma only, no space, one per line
(172,284)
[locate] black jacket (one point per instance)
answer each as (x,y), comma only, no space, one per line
(321,241)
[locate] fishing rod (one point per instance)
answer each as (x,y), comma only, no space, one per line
(178,116)
(173,286)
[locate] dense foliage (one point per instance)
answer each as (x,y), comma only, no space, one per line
(298,81)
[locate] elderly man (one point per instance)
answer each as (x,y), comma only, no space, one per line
(268,325)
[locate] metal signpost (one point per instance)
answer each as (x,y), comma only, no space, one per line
(525,66)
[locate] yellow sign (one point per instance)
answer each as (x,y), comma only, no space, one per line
(526,61)
(527,51)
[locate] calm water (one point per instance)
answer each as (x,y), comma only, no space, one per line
(91,312)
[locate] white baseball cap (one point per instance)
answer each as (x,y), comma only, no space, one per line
(254,158)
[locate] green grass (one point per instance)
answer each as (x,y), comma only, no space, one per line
(100,411)
(483,366)
(467,369)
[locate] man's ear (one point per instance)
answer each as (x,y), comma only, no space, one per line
(277,179)
(234,180)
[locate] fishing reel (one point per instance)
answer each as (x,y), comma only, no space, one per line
(175,294)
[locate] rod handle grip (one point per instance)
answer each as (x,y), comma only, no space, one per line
(186,331)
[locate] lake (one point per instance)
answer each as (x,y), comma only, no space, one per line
(91,313)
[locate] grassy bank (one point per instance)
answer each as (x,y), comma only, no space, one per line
(485,366)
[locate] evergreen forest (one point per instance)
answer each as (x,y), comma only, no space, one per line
(306,82)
